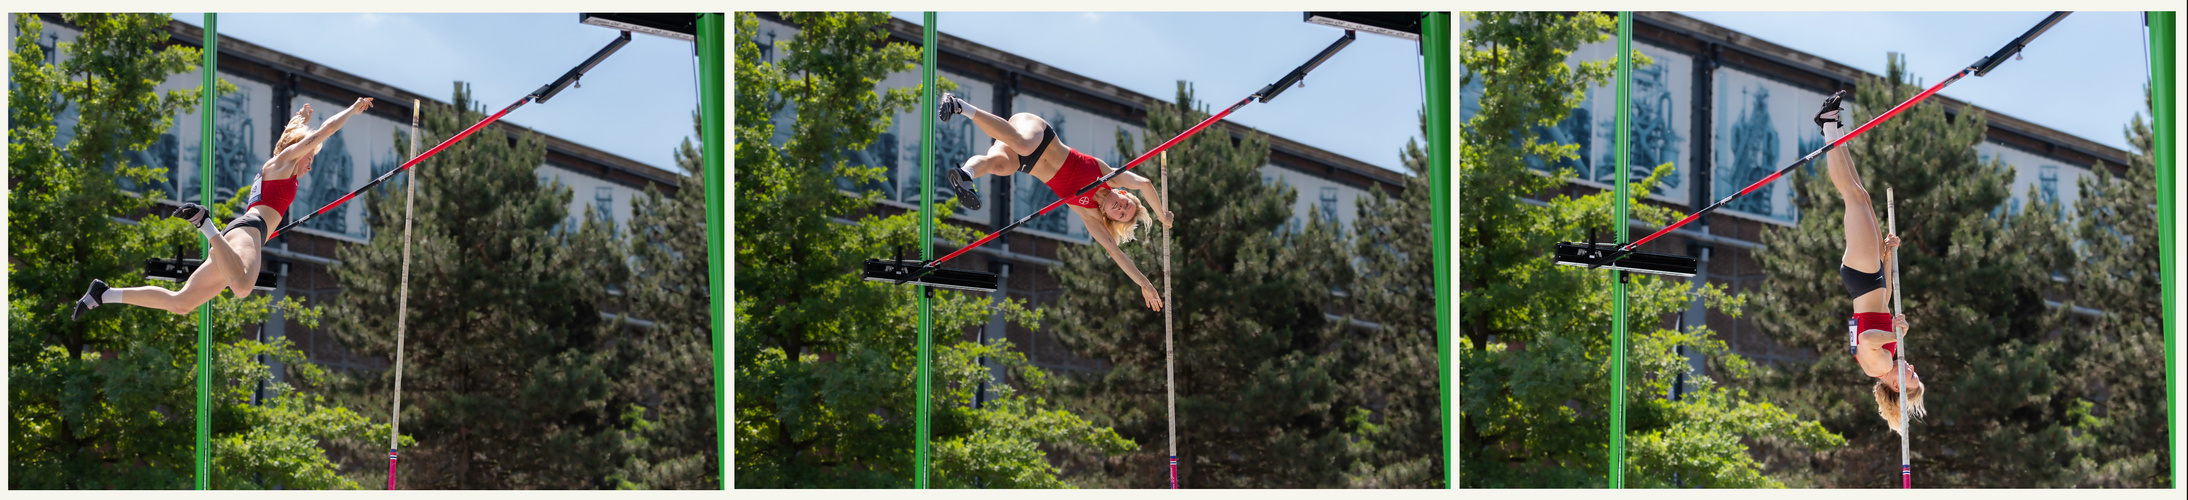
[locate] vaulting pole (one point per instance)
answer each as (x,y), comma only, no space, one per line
(402,305)
(1624,84)
(1891,227)
(927,103)
(1169,353)
(206,152)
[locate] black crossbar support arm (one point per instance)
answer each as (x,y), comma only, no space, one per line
(549,90)
(1983,66)
(1269,93)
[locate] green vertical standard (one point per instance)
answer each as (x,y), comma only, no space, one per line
(2162,100)
(927,52)
(1618,278)
(206,93)
(1436,52)
(710,112)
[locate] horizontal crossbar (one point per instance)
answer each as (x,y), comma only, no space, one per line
(1606,255)
(895,271)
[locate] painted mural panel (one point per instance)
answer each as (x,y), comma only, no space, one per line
(1662,109)
(2054,181)
(590,196)
(896,149)
(1316,196)
(363,149)
(240,141)
(1761,125)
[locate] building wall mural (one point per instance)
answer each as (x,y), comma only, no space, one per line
(2053,180)
(1761,125)
(1662,107)
(1662,113)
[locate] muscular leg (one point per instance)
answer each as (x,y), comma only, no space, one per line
(1021,133)
(1864,244)
(202,286)
(222,256)
(998,161)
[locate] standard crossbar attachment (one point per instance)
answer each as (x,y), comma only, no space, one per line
(900,271)
(1594,255)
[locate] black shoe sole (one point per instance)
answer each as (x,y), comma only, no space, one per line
(966,196)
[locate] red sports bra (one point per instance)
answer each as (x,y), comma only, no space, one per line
(276,194)
(1078,170)
(1862,322)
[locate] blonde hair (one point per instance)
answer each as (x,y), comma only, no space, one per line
(1128,230)
(293,133)
(1888,403)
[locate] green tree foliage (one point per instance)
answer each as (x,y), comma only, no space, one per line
(2117,272)
(109,402)
(1535,338)
(1392,365)
(508,376)
(663,365)
(1260,383)
(825,362)
(1976,270)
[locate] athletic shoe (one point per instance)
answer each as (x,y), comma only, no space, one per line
(950,106)
(90,300)
(1835,112)
(962,183)
(194,213)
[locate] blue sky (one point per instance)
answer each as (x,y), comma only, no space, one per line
(637,104)
(2083,77)
(1363,103)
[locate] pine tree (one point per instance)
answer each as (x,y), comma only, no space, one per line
(1976,272)
(109,402)
(506,366)
(1257,370)
(825,362)
(1535,338)
(2117,273)
(663,365)
(1393,365)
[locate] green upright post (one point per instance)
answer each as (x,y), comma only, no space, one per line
(711,141)
(206,94)
(927,104)
(2162,100)
(1618,278)
(1436,52)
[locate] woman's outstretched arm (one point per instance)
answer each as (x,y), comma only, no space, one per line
(326,130)
(1095,227)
